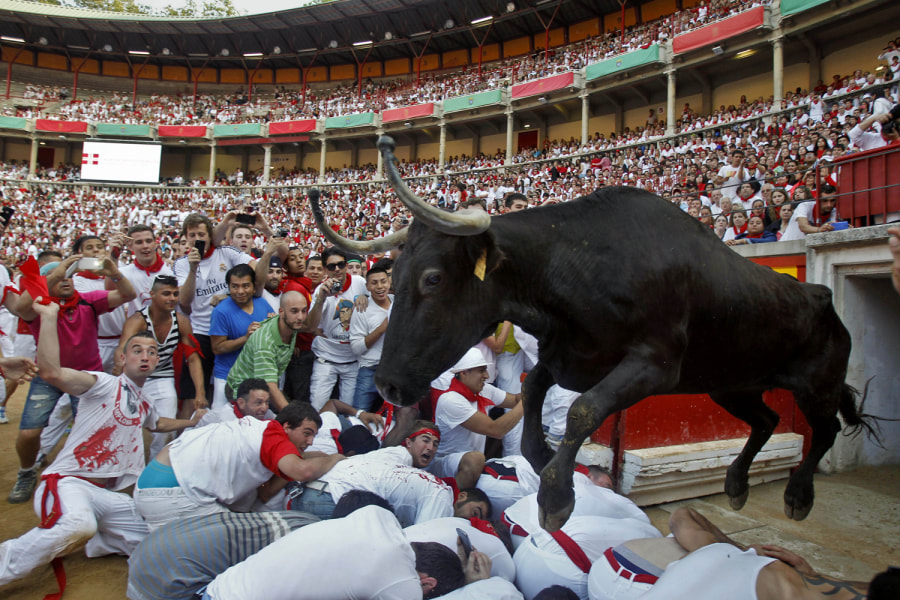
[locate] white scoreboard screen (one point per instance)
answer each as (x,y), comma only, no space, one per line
(120,162)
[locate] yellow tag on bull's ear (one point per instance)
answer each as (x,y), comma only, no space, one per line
(481,265)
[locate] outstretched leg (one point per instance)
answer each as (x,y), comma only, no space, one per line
(643,372)
(820,411)
(749,408)
(534,389)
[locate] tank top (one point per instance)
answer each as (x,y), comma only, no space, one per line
(165,368)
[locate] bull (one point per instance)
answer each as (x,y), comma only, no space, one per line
(628,297)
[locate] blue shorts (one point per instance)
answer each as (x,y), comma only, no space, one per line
(42,399)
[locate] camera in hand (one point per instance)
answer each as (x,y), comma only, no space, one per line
(245,219)
(200,245)
(281,233)
(336,287)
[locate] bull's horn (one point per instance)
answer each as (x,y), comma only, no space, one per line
(388,242)
(466,222)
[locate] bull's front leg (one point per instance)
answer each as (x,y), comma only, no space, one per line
(534,390)
(645,371)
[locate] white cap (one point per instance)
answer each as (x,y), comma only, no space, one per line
(470,360)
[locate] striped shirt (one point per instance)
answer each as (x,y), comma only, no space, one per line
(166,348)
(264,355)
(178,560)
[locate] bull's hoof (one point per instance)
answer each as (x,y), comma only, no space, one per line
(797,514)
(554,521)
(738,502)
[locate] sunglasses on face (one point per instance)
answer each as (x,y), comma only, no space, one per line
(336,266)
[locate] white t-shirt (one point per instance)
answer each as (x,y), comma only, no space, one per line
(210,280)
(225,461)
(443,531)
(225,413)
(453,410)
(362,325)
(141,281)
(495,588)
(805,210)
(311,563)
(504,492)
(328,432)
(109,325)
(335,345)
(542,562)
(711,573)
(107,438)
(416,495)
(734,177)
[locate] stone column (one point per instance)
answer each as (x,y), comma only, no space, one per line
(32,161)
(267,163)
(442,146)
(585,117)
(212,164)
(670,102)
(322,159)
(778,70)
(510,126)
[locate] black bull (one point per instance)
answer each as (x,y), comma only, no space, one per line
(628,297)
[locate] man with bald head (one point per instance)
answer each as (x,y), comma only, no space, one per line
(268,350)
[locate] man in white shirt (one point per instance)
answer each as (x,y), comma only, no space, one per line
(79,504)
(147,265)
(804,220)
(731,176)
(367,335)
(867,140)
(333,313)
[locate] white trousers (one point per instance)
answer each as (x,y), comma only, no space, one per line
(605,583)
(105,521)
(325,375)
(159,506)
(219,398)
(161,393)
(509,371)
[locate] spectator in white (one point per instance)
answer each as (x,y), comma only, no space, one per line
(461,417)
(211,468)
(564,557)
(251,400)
(169,329)
(145,267)
(270,273)
(201,275)
(393,569)
(332,313)
(507,480)
(233,321)
(109,325)
(806,219)
(241,237)
(78,330)
(367,335)
(864,139)
(731,176)
(79,503)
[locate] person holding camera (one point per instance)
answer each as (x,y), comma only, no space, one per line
(889,134)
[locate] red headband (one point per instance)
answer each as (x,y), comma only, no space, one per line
(433,432)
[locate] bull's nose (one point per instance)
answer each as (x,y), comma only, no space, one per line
(388,391)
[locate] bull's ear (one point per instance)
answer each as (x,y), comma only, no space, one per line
(484,255)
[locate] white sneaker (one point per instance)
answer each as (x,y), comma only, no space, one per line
(3,418)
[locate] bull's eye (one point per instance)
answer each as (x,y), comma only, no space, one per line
(430,280)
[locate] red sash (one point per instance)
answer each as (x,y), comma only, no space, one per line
(572,550)
(457,386)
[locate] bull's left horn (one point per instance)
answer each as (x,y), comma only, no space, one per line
(467,222)
(388,242)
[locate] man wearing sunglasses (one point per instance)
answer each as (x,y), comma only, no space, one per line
(332,312)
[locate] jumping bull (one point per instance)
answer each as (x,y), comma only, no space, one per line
(628,297)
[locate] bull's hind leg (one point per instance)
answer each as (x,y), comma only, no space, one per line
(749,408)
(534,390)
(645,371)
(820,411)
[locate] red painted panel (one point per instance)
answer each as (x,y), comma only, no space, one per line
(718,31)
(797,262)
(407,112)
(190,131)
(547,84)
(283,127)
(869,185)
(60,126)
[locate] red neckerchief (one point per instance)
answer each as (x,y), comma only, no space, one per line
(348,279)
(572,550)
(757,236)
(387,411)
(451,482)
(457,386)
(579,468)
(237,410)
(483,526)
(209,252)
(89,275)
(67,303)
(741,230)
(157,265)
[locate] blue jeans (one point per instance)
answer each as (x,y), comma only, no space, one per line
(366,393)
(308,500)
(41,400)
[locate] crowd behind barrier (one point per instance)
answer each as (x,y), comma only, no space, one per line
(283,104)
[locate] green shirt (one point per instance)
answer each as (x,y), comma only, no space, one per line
(264,356)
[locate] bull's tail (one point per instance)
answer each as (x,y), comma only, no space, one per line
(854,418)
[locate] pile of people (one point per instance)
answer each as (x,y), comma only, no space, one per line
(261,361)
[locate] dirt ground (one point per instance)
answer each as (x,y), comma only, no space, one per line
(851,532)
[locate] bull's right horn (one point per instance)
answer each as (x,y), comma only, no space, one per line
(388,242)
(467,222)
